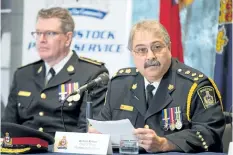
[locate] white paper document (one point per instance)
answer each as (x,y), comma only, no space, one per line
(114,128)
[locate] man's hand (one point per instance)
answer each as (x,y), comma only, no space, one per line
(151,142)
(92,130)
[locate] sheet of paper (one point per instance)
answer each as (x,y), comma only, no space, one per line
(114,128)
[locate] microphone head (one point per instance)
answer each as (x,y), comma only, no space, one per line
(104,78)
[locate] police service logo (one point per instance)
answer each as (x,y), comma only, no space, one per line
(89,12)
(7,141)
(207,96)
(62,143)
(222,40)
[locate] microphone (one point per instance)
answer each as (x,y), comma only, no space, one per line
(102,79)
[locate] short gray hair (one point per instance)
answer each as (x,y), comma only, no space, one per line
(151,26)
(67,22)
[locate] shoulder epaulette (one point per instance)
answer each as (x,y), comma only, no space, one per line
(91,61)
(191,74)
(125,72)
(30,64)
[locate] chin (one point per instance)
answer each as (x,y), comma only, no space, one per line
(45,56)
(153,73)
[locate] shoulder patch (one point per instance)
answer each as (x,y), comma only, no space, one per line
(207,96)
(125,72)
(30,64)
(91,60)
(191,74)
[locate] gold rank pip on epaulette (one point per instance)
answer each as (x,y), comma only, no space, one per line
(91,60)
(125,71)
(192,75)
(196,77)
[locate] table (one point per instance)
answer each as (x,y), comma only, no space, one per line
(167,153)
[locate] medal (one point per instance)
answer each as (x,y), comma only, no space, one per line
(178,119)
(76,97)
(165,120)
(172,120)
(178,125)
(70,99)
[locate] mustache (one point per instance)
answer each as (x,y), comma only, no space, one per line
(151,62)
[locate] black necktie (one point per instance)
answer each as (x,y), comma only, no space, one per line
(53,73)
(149,89)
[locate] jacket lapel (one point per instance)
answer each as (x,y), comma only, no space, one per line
(39,78)
(137,95)
(65,74)
(163,97)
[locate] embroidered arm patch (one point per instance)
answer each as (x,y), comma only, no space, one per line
(207,96)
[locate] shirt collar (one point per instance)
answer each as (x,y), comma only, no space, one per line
(57,68)
(155,84)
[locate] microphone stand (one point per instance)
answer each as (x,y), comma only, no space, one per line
(88,108)
(62,107)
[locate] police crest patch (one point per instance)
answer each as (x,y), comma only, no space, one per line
(207,96)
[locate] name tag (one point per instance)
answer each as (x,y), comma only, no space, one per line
(24,93)
(126,107)
(82,143)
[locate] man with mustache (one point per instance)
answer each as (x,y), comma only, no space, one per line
(39,88)
(163,98)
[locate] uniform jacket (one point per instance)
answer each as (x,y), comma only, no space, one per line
(35,105)
(182,86)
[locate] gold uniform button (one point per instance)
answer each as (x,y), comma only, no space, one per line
(41,113)
(43,96)
(206,147)
(41,129)
(204,143)
(70,104)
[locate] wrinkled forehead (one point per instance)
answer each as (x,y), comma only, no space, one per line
(147,37)
(48,23)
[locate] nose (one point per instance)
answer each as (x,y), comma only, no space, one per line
(150,54)
(42,38)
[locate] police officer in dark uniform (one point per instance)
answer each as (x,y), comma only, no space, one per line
(172,106)
(39,88)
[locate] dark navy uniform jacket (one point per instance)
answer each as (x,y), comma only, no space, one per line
(35,105)
(181,87)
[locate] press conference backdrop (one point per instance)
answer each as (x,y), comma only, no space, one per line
(104,35)
(101,30)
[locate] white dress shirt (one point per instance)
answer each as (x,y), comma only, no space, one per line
(58,67)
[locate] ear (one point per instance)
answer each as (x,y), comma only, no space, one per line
(69,36)
(132,53)
(169,46)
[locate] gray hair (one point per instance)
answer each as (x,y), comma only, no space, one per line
(150,26)
(67,22)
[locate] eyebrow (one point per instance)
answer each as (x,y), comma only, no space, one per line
(150,43)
